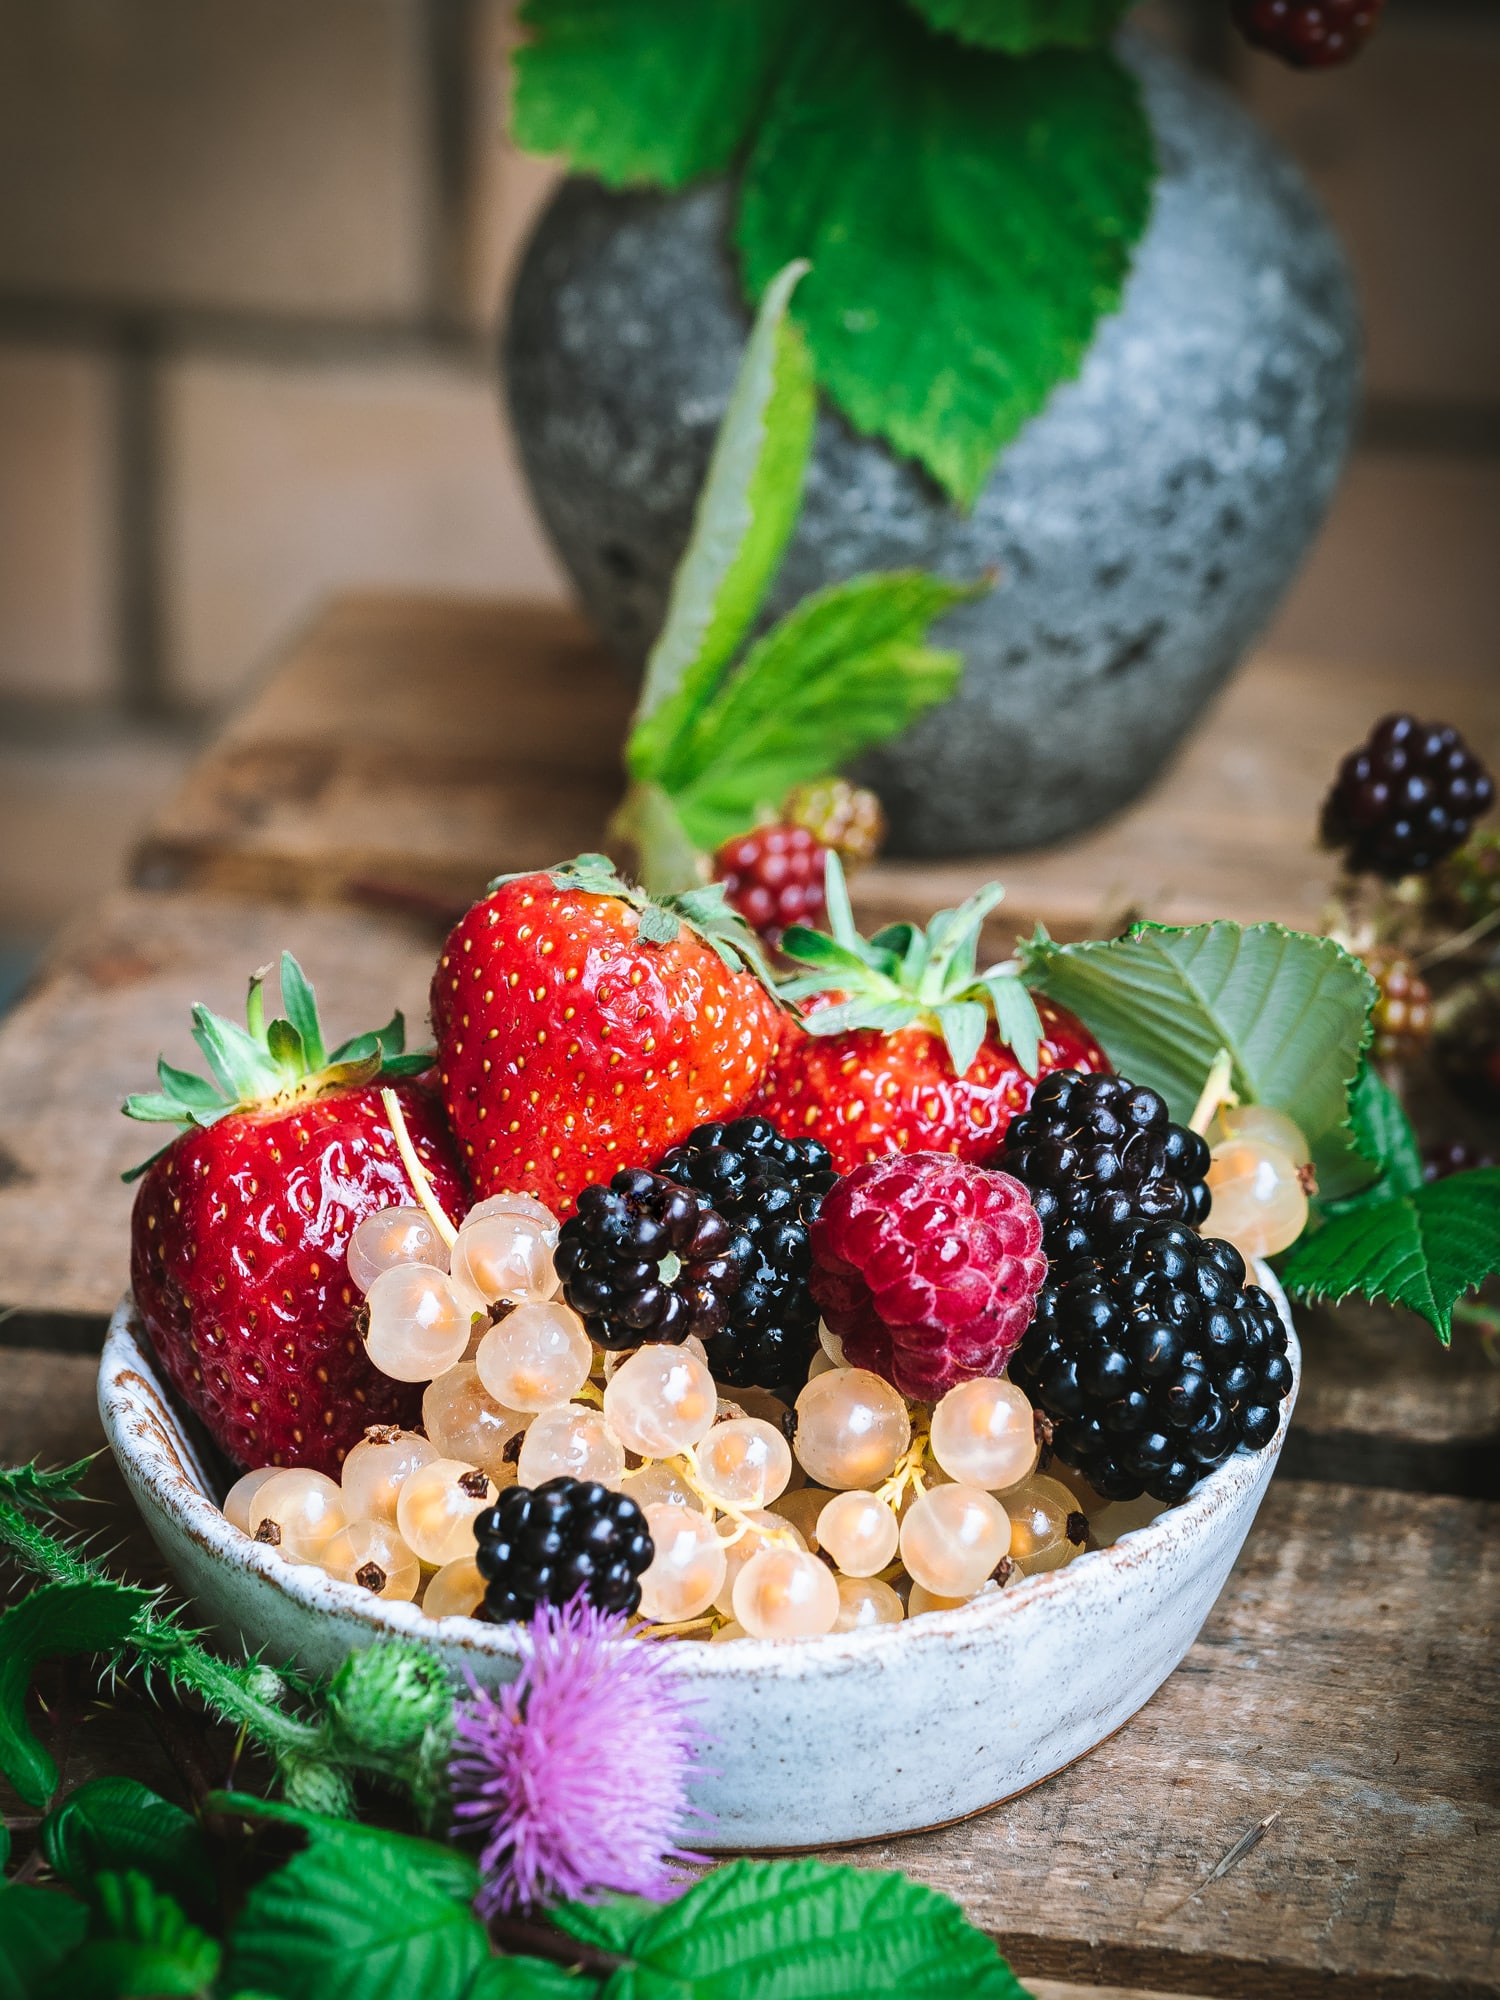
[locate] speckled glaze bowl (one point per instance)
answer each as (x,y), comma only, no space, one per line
(847,1738)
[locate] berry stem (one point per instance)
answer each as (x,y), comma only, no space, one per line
(415,1171)
(908,1471)
(1218,1090)
(1451,947)
(685,1465)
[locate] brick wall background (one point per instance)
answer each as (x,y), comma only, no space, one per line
(251,259)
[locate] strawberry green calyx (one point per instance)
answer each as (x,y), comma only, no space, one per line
(904,976)
(271,1063)
(661,918)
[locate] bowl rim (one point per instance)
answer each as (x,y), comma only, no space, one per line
(169,1468)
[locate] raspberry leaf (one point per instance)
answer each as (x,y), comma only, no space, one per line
(38,1930)
(1424,1248)
(140,1941)
(1019,26)
(119,1823)
(1292,1010)
(969,219)
(1383,1133)
(744,518)
(656,92)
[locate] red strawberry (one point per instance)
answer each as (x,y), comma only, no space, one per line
(241,1226)
(906,1049)
(582,1028)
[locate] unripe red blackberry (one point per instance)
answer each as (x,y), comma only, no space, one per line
(644,1259)
(1402,1014)
(774,877)
(544,1544)
(844,817)
(1405,799)
(1308,34)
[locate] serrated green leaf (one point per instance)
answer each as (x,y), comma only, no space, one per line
(39,1928)
(140,1943)
(845,669)
(1291,1009)
(55,1618)
(653,92)
(743,520)
(39,1491)
(1382,1131)
(352,1918)
(301,1007)
(1017,1022)
(118,1823)
(969,219)
(804,1930)
(530,1979)
(611,1924)
(1424,1249)
(1019,26)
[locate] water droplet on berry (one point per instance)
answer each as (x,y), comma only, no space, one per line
(456,1591)
(984,1434)
(374,1470)
(661,1401)
(688,1568)
(786,1594)
(394,1236)
(864,1601)
(952,1538)
(851,1428)
(537,1356)
(373,1555)
(419,1323)
(437,1506)
(859,1531)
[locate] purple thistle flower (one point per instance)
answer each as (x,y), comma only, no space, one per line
(576,1773)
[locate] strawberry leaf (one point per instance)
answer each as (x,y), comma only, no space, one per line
(1017,1021)
(744,518)
(658,92)
(964,1024)
(1424,1248)
(1291,1009)
(1019,26)
(243,1067)
(847,668)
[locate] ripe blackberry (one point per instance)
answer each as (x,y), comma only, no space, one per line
(1308,34)
(774,878)
(1098,1152)
(1154,1361)
(1405,798)
(544,1544)
(770,1188)
(646,1259)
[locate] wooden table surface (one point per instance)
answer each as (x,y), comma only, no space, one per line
(405,750)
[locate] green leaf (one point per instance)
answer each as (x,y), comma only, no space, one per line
(302,1010)
(287,1052)
(964,1024)
(969,219)
(1291,1009)
(55,1618)
(38,1930)
(39,1492)
(1423,1249)
(654,92)
(118,1823)
(744,518)
(1019,26)
(188,1090)
(846,668)
(140,1943)
(530,1979)
(243,1067)
(1382,1131)
(1017,1022)
(803,1930)
(358,1915)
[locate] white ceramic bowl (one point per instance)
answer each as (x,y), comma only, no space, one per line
(818,1742)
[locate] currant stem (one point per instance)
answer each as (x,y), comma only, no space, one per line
(685,1465)
(416,1172)
(1218,1090)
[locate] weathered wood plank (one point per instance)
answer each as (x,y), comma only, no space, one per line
(1347,1681)
(420,745)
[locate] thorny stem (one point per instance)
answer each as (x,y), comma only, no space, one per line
(416,1172)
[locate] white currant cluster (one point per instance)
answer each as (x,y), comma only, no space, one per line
(860,1520)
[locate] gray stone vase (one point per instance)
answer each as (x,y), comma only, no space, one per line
(1144,524)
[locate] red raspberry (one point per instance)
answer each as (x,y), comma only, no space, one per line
(927,1269)
(774,878)
(1308,34)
